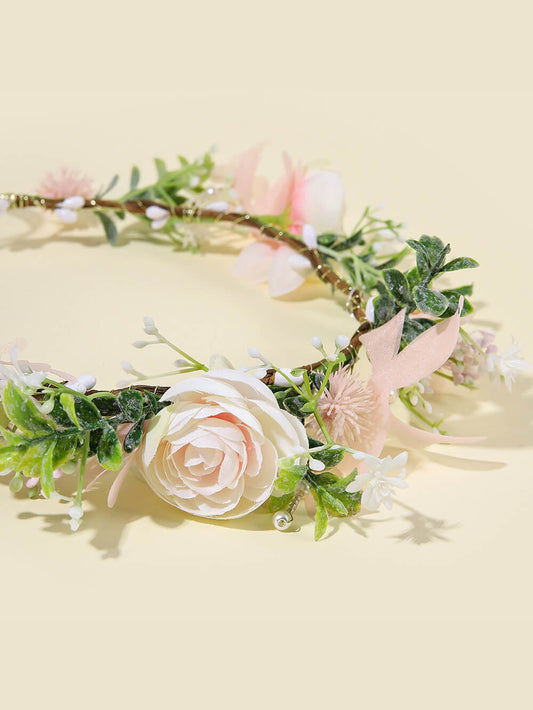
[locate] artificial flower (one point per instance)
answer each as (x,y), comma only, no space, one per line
(158,216)
(507,366)
(67,209)
(379,480)
(214,451)
(310,202)
(65,182)
(358,415)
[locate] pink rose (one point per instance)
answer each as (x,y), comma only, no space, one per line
(214,451)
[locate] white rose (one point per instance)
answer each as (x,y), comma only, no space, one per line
(214,451)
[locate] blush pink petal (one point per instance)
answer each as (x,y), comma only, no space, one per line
(415,438)
(253,263)
(245,171)
(282,277)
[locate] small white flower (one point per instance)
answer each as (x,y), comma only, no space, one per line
(369,310)
(21,374)
(67,209)
(309,236)
(506,366)
(140,343)
(316,342)
(378,483)
(158,216)
(4,205)
(76,514)
(194,181)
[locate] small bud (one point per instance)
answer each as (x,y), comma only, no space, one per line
(316,342)
(316,465)
(254,352)
(127,367)
(342,341)
(219,206)
(140,344)
(47,406)
(149,326)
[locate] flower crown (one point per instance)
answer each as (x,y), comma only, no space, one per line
(227,441)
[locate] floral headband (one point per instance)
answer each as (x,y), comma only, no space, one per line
(228,441)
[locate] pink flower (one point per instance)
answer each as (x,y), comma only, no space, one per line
(214,450)
(65,182)
(300,198)
(359,416)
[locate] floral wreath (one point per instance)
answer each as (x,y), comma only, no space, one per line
(227,441)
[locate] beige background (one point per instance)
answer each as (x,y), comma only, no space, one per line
(425,106)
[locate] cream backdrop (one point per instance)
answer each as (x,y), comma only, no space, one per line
(425,106)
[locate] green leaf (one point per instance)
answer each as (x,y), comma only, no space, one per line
(276,503)
(413,327)
(289,477)
(294,405)
(82,412)
(111,185)
(384,309)
(109,226)
(423,262)
(430,301)
(160,166)
(109,450)
(453,297)
(321,517)
(462,262)
(134,436)
(131,404)
(330,457)
(22,410)
(65,448)
(413,277)
(349,242)
(333,504)
(397,286)
(47,470)
(134,177)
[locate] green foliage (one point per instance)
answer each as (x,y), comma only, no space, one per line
(331,497)
(413,289)
(171,183)
(289,477)
(109,226)
(35,444)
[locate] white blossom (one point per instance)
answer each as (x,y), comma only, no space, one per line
(506,366)
(21,374)
(378,481)
(67,209)
(158,216)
